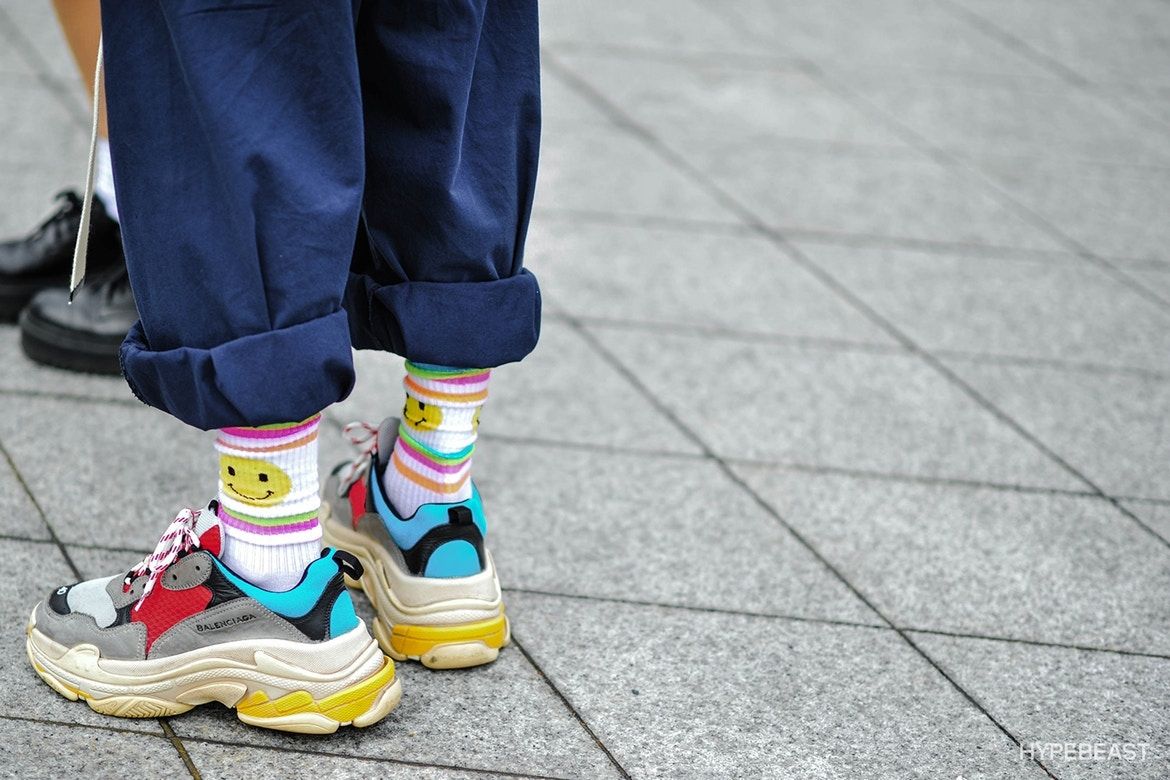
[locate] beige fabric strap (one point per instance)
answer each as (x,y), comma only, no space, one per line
(79,251)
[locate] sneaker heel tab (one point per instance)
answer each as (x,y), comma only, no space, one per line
(348,564)
(459,515)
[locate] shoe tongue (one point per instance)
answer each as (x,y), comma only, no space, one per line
(209,529)
(387,434)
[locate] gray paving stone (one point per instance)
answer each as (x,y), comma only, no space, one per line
(127,470)
(696,100)
(54,134)
(1113,210)
(914,37)
(27,197)
(37,23)
(863,192)
(563,392)
(1152,277)
(93,563)
(843,409)
(1029,308)
(53,751)
(31,571)
(501,717)
(1105,43)
(1040,567)
(613,172)
(13,67)
(715,695)
(706,280)
(1113,427)
(25,375)
(562,109)
(666,530)
(1057,695)
(1034,118)
(673,26)
(18,515)
(216,760)
(1157,516)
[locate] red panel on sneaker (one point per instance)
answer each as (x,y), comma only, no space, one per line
(164,608)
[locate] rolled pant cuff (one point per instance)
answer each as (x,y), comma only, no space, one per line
(471,324)
(276,376)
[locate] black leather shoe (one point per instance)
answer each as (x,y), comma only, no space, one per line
(85,335)
(44,257)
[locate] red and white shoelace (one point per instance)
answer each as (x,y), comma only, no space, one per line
(364,436)
(179,537)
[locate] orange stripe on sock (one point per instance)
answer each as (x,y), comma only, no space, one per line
(419,391)
(423,482)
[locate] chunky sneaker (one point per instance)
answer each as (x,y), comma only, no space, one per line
(428,576)
(182,629)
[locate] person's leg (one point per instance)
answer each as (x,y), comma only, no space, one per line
(452,101)
(236,141)
(81,21)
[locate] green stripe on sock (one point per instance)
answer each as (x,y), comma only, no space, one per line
(273,521)
(443,458)
(430,373)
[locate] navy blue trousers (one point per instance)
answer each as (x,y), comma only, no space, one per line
(297,177)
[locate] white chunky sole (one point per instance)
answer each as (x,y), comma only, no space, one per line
(443,623)
(310,688)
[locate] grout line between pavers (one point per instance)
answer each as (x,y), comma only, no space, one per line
(372,759)
(732,204)
(973,173)
(1053,65)
(622,120)
(891,628)
(19,392)
(804,468)
(569,705)
(828,344)
(807,235)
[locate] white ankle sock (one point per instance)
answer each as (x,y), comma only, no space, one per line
(431,462)
(103,178)
(268,501)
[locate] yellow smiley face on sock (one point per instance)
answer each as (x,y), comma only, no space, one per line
(420,416)
(255,482)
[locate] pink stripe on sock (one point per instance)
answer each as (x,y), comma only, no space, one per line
(470,379)
(266,530)
(276,433)
(430,464)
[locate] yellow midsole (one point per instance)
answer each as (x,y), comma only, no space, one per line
(343,706)
(415,641)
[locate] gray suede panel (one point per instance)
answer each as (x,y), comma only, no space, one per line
(120,599)
(192,570)
(371,525)
(124,643)
(387,435)
(234,620)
